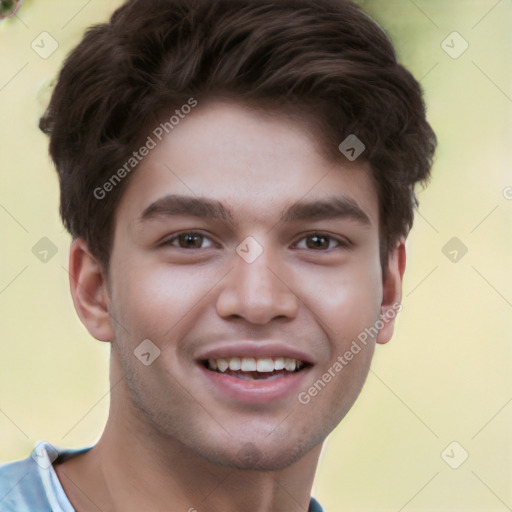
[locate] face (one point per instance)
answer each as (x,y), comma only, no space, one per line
(252,264)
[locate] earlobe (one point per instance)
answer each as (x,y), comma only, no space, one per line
(392,292)
(89,291)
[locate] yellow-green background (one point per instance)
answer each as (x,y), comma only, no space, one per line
(445,376)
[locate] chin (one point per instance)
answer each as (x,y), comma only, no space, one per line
(258,456)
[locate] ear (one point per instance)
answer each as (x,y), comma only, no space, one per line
(89,291)
(392,292)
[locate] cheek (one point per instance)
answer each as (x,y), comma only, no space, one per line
(152,298)
(344,300)
(346,303)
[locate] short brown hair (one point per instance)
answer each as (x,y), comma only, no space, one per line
(325,58)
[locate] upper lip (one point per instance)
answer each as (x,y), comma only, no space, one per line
(255,349)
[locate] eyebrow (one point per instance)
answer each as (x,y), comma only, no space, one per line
(333,207)
(175,205)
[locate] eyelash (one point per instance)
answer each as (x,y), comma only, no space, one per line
(343,244)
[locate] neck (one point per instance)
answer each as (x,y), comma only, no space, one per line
(134,467)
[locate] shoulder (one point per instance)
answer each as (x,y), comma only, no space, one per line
(314,506)
(21,487)
(32,485)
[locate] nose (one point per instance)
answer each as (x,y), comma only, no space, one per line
(258,292)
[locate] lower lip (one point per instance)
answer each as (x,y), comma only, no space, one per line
(256,390)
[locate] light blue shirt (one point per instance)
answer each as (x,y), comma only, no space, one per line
(32,485)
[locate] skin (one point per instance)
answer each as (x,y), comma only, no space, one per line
(173,442)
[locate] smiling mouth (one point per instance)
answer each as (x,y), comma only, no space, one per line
(249,368)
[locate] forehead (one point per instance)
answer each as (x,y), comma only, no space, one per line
(254,162)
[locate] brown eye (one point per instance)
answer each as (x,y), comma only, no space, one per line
(320,242)
(188,241)
(317,242)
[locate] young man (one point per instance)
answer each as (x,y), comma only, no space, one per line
(238,178)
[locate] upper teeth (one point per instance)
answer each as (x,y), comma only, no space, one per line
(250,364)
